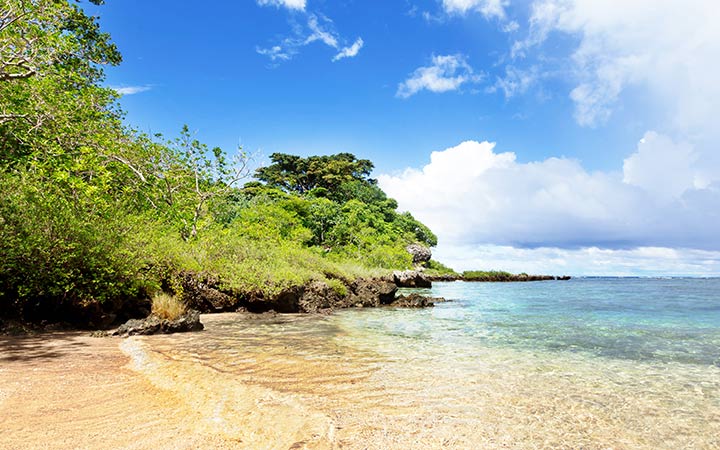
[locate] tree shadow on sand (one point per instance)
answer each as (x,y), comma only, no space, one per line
(38,346)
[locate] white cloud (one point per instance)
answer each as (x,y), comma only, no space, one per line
(351,51)
(658,211)
(668,46)
(516,81)
(298,5)
(511,27)
(470,195)
(642,261)
(447,73)
(275,53)
(319,34)
(319,29)
(662,167)
(130,90)
(488,8)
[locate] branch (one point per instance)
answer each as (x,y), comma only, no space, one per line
(8,117)
(17,76)
(128,164)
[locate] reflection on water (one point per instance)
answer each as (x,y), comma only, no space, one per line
(503,366)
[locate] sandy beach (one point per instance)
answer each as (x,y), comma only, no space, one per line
(322,382)
(68,390)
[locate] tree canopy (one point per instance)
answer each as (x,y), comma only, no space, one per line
(301,175)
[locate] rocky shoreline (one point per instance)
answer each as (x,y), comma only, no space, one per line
(205,294)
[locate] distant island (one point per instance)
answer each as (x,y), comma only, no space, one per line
(495,276)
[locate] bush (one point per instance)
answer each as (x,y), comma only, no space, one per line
(56,255)
(435,268)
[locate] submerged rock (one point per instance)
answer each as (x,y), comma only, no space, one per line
(415,300)
(190,321)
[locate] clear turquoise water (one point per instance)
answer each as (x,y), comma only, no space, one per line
(665,320)
(585,363)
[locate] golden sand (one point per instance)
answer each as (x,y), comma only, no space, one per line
(274,386)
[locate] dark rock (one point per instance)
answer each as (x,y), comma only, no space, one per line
(444,277)
(286,301)
(313,297)
(411,279)
(416,301)
(318,296)
(202,292)
(498,277)
(369,293)
(420,253)
(190,321)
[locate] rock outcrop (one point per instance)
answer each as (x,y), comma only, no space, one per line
(202,292)
(318,296)
(415,300)
(411,279)
(420,253)
(190,321)
(370,293)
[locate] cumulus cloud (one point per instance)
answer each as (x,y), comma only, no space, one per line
(130,90)
(642,261)
(488,8)
(446,73)
(667,46)
(658,210)
(298,5)
(663,167)
(351,51)
(471,195)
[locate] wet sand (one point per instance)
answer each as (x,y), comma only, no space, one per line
(68,390)
(303,383)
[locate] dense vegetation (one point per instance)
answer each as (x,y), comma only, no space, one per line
(95,215)
(494,275)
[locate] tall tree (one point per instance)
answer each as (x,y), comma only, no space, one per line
(301,175)
(51,101)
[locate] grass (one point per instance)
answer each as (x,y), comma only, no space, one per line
(167,306)
(245,264)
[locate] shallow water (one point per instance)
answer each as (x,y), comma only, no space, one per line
(588,363)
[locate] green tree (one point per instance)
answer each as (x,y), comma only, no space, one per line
(51,58)
(192,175)
(301,175)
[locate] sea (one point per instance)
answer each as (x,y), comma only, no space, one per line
(589,363)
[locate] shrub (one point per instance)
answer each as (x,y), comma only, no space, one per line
(56,255)
(436,268)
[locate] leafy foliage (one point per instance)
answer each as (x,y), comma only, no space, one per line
(489,275)
(302,175)
(94,214)
(436,268)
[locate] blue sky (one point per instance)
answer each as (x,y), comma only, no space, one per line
(604,158)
